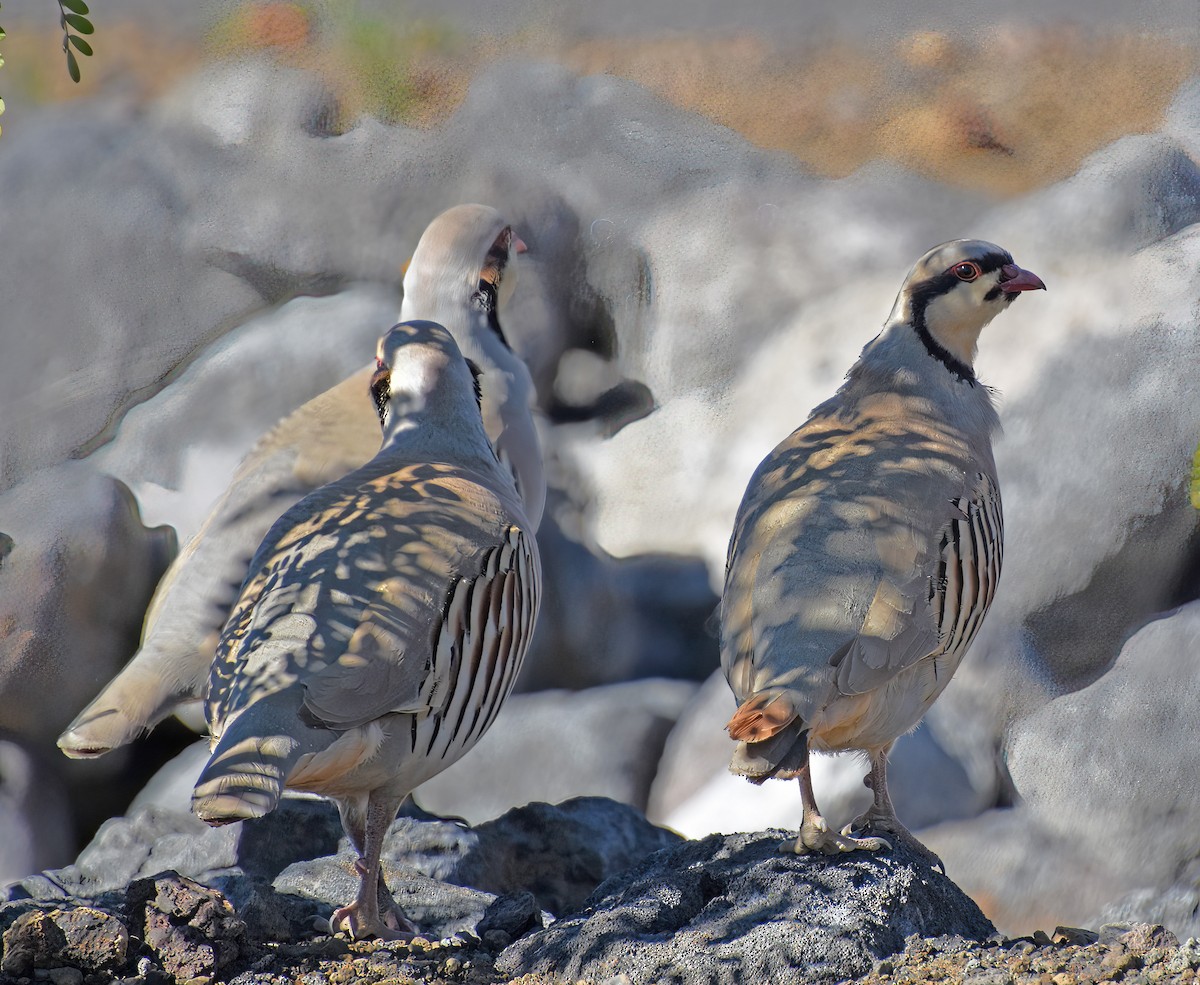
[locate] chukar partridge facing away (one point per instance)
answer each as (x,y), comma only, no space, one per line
(867,546)
(383,621)
(461,274)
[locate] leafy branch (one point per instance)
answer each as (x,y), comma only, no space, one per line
(73,16)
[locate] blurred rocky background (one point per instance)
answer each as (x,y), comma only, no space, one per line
(210,229)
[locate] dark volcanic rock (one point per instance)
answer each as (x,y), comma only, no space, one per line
(191,929)
(560,852)
(733,908)
(72,937)
(285,872)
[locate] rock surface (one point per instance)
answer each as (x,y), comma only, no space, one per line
(1105,766)
(283,870)
(736,909)
(77,568)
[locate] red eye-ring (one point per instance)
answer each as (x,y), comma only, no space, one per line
(967,270)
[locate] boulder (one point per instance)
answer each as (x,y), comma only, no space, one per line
(1110,767)
(1126,196)
(1024,876)
(77,568)
(1182,120)
(179,449)
(554,745)
(735,909)
(1177,907)
(282,871)
(34,813)
(113,297)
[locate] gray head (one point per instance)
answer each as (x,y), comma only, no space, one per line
(953,291)
(420,374)
(466,256)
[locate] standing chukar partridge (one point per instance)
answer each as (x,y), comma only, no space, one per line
(867,547)
(383,621)
(461,274)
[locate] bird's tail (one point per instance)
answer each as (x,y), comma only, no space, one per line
(147,690)
(250,764)
(772,740)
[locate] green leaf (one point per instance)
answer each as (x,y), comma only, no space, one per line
(83,46)
(1,107)
(1196,479)
(2,34)
(76,5)
(81,24)
(72,66)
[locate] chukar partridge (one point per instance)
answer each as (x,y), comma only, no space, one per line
(461,274)
(867,546)
(383,621)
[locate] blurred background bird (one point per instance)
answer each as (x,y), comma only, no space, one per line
(383,622)
(867,547)
(461,275)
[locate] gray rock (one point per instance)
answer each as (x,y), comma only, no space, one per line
(77,568)
(1024,876)
(1126,196)
(439,908)
(179,449)
(734,909)
(1123,734)
(555,745)
(508,918)
(250,100)
(560,853)
(605,620)
(34,814)
(77,936)
(1182,120)
(191,930)
(282,871)
(1177,907)
(108,291)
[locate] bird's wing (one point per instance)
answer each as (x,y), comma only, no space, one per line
(939,607)
(465,665)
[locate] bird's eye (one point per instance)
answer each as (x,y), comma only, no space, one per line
(968,270)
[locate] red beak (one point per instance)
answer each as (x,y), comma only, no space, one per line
(1013,279)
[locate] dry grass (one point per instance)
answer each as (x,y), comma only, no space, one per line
(1005,112)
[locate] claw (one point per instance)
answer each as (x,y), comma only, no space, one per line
(349,920)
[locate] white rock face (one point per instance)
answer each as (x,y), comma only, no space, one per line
(1111,766)
(179,449)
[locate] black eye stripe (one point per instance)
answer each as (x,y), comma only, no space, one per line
(381,390)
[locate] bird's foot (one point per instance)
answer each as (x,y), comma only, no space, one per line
(815,836)
(875,824)
(359,925)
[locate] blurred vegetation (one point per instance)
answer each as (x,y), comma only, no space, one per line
(1002,111)
(1195,485)
(397,69)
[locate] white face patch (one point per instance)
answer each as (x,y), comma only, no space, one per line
(956,318)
